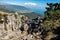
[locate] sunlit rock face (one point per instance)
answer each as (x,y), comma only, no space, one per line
(9,28)
(11,21)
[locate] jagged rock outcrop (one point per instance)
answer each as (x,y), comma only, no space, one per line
(9,28)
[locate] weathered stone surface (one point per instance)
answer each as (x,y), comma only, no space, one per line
(10,30)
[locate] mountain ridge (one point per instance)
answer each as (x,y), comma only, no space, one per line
(16,8)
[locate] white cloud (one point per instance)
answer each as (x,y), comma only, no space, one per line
(30,4)
(11,3)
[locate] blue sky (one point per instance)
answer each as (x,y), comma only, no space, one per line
(32,4)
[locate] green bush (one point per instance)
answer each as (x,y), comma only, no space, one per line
(49,25)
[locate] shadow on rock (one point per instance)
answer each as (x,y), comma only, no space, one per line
(56,31)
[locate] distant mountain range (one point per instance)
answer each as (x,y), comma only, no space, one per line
(15,8)
(20,9)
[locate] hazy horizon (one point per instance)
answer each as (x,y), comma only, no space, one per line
(35,5)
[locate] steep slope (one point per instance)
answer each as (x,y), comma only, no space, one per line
(10,7)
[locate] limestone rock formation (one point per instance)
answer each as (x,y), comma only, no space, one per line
(9,28)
